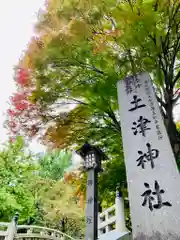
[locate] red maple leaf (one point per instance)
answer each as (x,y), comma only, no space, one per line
(12,113)
(22,76)
(18,97)
(23,115)
(12,124)
(21,106)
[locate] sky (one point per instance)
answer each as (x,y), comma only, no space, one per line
(17,19)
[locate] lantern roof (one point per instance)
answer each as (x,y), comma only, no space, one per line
(86,148)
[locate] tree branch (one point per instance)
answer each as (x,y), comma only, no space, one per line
(111,114)
(176,79)
(90,67)
(177,91)
(175,100)
(68,63)
(78,101)
(161,101)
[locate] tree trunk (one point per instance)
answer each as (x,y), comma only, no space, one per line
(173,134)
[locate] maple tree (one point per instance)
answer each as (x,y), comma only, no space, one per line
(58,202)
(67,83)
(21,107)
(53,164)
(16,171)
(31,187)
(82,50)
(78,180)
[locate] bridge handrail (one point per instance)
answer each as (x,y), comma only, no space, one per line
(42,228)
(4,224)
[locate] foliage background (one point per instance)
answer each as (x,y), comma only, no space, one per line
(34,188)
(66,80)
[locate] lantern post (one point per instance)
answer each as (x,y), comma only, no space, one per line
(92,156)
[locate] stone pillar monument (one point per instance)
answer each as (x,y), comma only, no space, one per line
(152,174)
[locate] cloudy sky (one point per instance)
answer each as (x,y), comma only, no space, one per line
(17,18)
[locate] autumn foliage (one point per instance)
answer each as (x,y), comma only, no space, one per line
(83,48)
(22,111)
(77,179)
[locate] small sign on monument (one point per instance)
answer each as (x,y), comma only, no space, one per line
(152,174)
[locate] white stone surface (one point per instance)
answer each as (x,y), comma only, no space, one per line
(114,235)
(166,219)
(120,215)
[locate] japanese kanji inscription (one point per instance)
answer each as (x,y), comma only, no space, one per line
(149,199)
(90,204)
(89,219)
(90,182)
(152,174)
(140,126)
(136,104)
(149,156)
